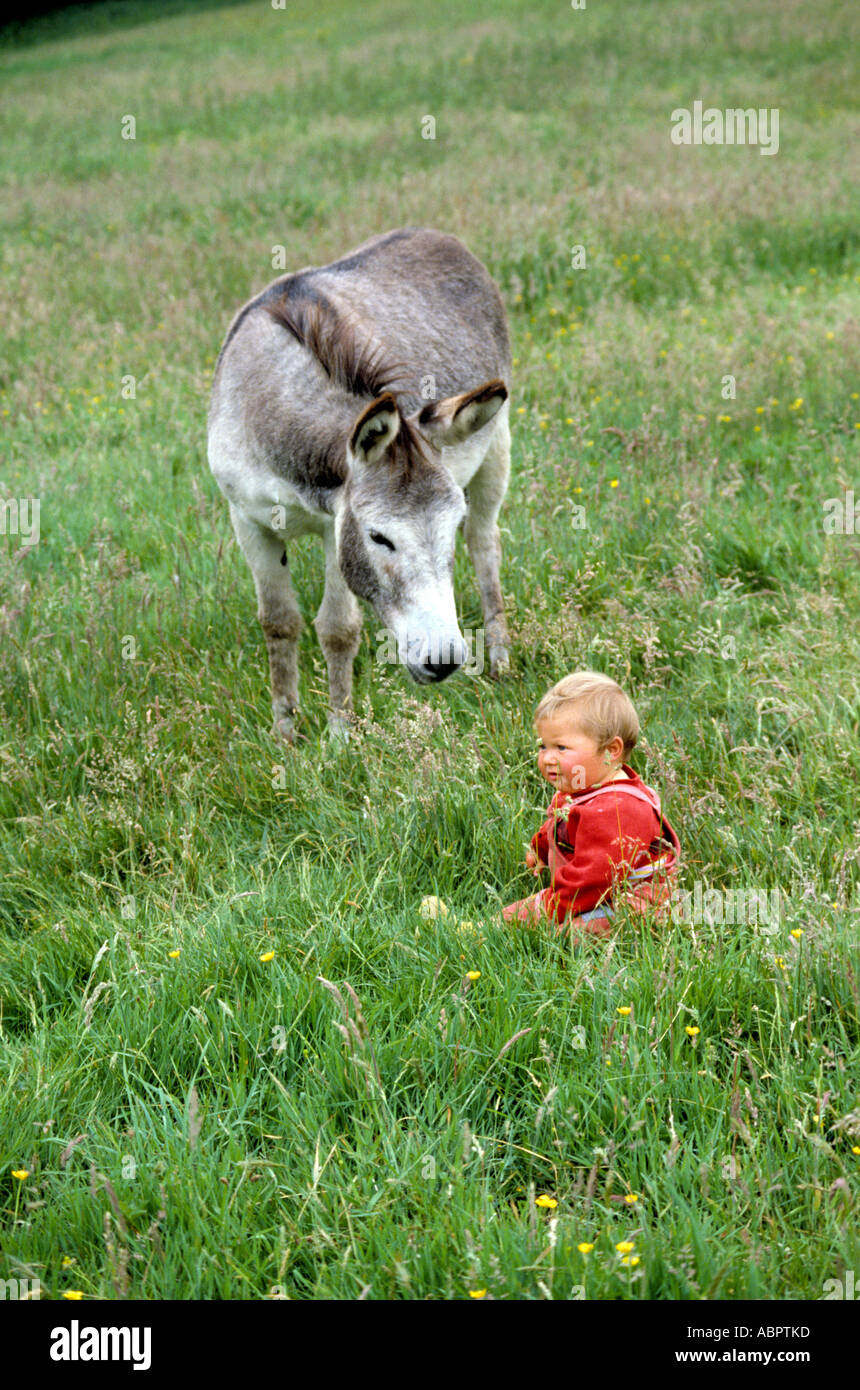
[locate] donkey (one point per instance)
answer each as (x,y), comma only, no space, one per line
(357,400)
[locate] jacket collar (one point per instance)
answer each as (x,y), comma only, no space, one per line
(632,778)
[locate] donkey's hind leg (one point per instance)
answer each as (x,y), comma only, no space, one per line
(338,625)
(487,490)
(279,617)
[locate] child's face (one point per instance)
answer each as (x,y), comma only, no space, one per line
(567,757)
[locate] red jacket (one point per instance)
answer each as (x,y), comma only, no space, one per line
(599,837)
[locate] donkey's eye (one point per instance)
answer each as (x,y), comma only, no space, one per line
(379,539)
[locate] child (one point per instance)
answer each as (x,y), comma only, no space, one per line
(604,826)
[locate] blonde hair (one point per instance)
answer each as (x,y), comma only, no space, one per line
(602,710)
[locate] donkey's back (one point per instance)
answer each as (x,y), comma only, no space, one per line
(419,294)
(357,400)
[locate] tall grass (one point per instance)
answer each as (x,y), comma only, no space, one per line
(212,1124)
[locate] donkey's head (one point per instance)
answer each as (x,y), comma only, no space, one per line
(398,522)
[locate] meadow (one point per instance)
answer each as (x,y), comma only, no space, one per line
(237,1062)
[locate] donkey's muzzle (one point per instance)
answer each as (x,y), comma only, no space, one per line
(435,657)
(431,672)
(441,670)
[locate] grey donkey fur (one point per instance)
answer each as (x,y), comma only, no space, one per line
(358,400)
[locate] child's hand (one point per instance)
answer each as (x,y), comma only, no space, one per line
(533,863)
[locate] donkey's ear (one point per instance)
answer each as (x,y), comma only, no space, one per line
(453,420)
(374,430)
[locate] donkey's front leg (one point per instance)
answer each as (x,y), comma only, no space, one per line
(338,625)
(279,617)
(487,490)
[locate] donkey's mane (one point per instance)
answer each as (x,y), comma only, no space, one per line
(349,358)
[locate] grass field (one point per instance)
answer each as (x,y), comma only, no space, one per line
(197,1122)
